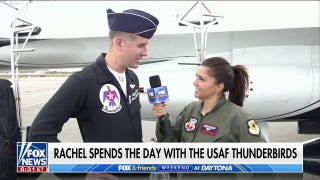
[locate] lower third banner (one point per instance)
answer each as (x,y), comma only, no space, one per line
(176,168)
(160,157)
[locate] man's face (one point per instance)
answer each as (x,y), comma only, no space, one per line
(134,50)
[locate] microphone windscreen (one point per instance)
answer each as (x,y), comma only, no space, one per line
(155,81)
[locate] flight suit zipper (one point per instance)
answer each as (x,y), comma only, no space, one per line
(197,127)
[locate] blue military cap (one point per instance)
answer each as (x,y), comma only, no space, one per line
(133,21)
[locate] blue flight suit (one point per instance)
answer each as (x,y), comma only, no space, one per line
(95,98)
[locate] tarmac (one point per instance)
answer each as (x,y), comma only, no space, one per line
(37,90)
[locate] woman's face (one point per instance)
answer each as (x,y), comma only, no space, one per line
(205,85)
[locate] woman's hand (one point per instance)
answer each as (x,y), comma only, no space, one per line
(159,109)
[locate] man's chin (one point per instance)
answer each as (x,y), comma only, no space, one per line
(134,67)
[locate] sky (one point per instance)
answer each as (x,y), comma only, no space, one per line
(68,19)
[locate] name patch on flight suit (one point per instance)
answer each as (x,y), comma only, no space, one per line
(209,129)
(191,124)
(253,128)
(110,98)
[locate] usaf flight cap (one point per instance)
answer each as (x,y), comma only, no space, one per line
(133,21)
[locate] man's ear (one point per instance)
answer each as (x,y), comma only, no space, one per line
(118,42)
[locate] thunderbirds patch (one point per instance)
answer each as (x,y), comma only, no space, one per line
(110,98)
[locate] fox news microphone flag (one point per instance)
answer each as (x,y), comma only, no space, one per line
(157,93)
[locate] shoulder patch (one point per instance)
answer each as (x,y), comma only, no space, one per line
(253,128)
(191,124)
(110,98)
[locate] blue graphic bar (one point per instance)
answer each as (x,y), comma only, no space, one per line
(172,168)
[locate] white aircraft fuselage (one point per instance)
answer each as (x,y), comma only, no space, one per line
(283,68)
(279,46)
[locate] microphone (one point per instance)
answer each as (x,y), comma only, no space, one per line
(157,93)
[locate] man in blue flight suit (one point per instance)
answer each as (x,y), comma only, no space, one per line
(104,96)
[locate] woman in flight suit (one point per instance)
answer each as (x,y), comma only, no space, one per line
(213,118)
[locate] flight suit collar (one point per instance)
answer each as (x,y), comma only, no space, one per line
(221,101)
(103,73)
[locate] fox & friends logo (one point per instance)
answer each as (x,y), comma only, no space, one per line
(32,157)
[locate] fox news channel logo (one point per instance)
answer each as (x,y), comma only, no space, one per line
(32,157)
(158,94)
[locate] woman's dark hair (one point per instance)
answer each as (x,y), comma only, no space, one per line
(235,78)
